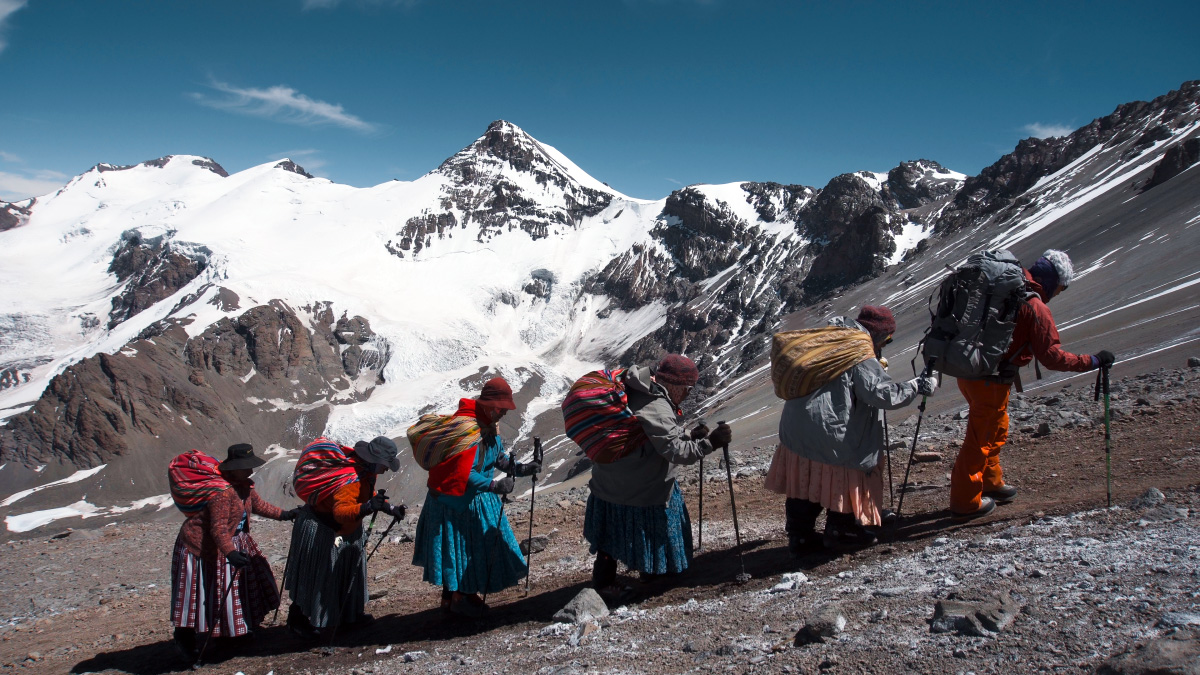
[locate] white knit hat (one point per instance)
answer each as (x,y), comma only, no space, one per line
(1062,265)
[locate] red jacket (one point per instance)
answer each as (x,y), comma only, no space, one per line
(1036,335)
(210,531)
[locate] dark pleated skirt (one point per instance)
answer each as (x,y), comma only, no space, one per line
(650,539)
(472,550)
(326,579)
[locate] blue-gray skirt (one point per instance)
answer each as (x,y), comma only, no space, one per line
(472,550)
(651,539)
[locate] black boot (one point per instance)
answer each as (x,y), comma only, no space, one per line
(604,571)
(185,642)
(843,531)
(300,625)
(801,519)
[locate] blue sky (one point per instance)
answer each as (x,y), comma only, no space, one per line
(646,95)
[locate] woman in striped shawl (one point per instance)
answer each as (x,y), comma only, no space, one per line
(464,541)
(327,571)
(220,581)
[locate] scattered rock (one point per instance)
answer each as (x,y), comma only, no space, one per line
(585,629)
(790,582)
(1173,655)
(825,622)
(1194,362)
(974,618)
(1150,498)
(537,544)
(1043,429)
(409,657)
(927,456)
(1179,619)
(586,605)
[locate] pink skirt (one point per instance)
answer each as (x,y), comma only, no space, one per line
(836,488)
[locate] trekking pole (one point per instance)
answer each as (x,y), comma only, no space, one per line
(283,586)
(928,372)
(384,536)
(1102,381)
(887,443)
(537,457)
(350,588)
(743,577)
(700,530)
(220,615)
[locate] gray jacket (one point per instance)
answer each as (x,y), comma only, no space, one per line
(839,424)
(646,476)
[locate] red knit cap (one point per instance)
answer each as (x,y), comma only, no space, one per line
(677,369)
(497,394)
(878,321)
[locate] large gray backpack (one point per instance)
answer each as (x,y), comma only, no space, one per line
(976,314)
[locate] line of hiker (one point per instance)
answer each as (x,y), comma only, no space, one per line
(991,319)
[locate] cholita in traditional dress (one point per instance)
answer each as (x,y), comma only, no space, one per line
(464,541)
(327,572)
(214,548)
(635,513)
(830,440)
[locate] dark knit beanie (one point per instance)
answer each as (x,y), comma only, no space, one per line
(878,321)
(677,369)
(497,394)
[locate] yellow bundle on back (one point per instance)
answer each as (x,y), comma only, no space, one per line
(437,438)
(803,361)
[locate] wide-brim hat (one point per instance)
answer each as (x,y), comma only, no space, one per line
(240,456)
(379,450)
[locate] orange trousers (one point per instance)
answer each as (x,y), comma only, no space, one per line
(977,468)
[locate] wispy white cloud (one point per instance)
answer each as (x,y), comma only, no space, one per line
(309,159)
(672,180)
(1039,130)
(281,103)
(17,186)
(7,7)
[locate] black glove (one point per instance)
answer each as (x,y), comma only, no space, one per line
(376,503)
(699,432)
(527,469)
(502,486)
(396,511)
(290,514)
(926,385)
(1105,357)
(505,463)
(721,436)
(237,559)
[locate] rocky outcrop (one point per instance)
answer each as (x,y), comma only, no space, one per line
(915,184)
(482,197)
(152,269)
(14,215)
(998,185)
(195,390)
(289,165)
(1176,160)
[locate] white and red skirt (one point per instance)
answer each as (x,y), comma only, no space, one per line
(837,488)
(198,585)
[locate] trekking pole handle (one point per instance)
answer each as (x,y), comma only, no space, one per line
(1104,370)
(537,449)
(1099,377)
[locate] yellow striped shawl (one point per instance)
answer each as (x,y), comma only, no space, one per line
(803,361)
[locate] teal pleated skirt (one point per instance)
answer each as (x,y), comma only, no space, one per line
(650,539)
(470,550)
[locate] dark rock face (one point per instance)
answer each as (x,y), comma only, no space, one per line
(914,184)
(1177,159)
(482,196)
(152,270)
(206,163)
(132,402)
(13,215)
(998,185)
(289,165)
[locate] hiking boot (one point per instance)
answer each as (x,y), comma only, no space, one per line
(300,625)
(800,525)
(604,571)
(185,643)
(471,606)
(986,506)
(843,531)
(887,516)
(447,598)
(804,545)
(1003,494)
(615,595)
(648,578)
